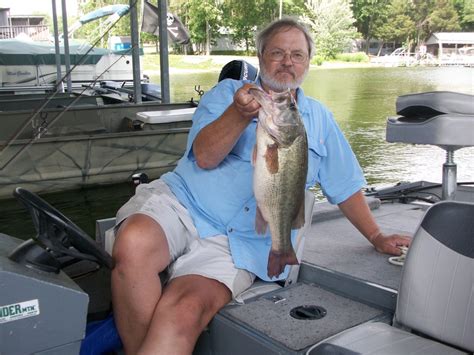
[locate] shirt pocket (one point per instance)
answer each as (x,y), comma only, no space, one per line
(316,152)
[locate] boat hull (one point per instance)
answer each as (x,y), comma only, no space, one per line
(88,146)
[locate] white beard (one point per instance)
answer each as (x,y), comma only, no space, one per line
(280,86)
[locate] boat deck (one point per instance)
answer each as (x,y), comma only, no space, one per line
(335,244)
(340,272)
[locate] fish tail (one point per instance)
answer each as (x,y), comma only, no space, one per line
(278,260)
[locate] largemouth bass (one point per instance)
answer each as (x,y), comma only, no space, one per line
(280,160)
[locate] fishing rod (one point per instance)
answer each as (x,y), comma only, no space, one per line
(113,21)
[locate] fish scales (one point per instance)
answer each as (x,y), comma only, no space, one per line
(281,163)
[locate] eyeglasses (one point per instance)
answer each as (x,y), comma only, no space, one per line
(278,55)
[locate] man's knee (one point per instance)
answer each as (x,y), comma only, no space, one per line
(196,301)
(140,239)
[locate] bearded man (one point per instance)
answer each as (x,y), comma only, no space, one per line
(197,222)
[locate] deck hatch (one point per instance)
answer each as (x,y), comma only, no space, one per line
(308,312)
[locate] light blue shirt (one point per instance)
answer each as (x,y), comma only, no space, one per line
(221,200)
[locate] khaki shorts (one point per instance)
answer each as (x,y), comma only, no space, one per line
(190,255)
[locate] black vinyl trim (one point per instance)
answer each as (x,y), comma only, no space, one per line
(452,224)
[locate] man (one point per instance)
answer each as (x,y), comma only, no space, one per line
(199,219)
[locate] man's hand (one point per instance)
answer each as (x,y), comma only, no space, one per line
(244,103)
(389,244)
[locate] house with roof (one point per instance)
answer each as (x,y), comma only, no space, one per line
(451,46)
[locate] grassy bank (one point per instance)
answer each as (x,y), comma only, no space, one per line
(151,61)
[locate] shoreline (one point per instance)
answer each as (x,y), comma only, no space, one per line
(216,62)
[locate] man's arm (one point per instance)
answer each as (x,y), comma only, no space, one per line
(355,208)
(216,140)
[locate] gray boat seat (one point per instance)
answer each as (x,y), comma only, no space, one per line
(436,294)
(442,118)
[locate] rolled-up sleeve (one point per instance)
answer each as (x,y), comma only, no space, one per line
(340,175)
(211,106)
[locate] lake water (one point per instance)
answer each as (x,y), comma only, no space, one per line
(361,100)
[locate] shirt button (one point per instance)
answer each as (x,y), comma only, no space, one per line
(246,209)
(230,230)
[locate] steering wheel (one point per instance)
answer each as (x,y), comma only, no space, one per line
(58,234)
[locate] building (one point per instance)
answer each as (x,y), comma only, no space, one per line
(33,26)
(444,45)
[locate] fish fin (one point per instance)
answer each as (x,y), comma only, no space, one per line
(298,222)
(260,223)
(271,158)
(278,260)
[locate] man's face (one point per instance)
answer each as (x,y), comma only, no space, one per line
(284,61)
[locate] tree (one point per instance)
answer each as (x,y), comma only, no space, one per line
(243,18)
(90,31)
(465,10)
(205,18)
(401,27)
(444,17)
(332,24)
(370,15)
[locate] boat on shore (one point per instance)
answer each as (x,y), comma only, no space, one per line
(343,298)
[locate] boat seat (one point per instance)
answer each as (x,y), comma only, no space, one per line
(436,294)
(165,116)
(441,118)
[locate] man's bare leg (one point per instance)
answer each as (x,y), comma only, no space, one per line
(140,252)
(187,305)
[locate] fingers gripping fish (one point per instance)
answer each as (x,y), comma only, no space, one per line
(280,159)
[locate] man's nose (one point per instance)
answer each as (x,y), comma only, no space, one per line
(287,59)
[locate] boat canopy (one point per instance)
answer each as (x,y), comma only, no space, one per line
(19,52)
(118,9)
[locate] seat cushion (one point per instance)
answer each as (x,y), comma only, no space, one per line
(381,338)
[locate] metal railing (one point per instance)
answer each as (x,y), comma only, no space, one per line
(35,32)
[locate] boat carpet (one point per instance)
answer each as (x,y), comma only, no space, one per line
(336,244)
(269,316)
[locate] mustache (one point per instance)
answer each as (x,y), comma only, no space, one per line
(288,71)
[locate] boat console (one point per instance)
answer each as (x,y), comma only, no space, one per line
(441,118)
(42,310)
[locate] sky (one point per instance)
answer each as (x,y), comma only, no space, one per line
(32,7)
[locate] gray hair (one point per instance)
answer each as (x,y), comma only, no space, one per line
(283,24)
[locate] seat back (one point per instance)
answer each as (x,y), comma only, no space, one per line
(436,295)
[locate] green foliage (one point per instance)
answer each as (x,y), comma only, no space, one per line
(359,57)
(332,24)
(242,19)
(370,15)
(465,11)
(444,17)
(205,18)
(317,60)
(400,26)
(91,31)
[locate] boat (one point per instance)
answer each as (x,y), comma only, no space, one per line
(88,144)
(100,132)
(343,298)
(25,63)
